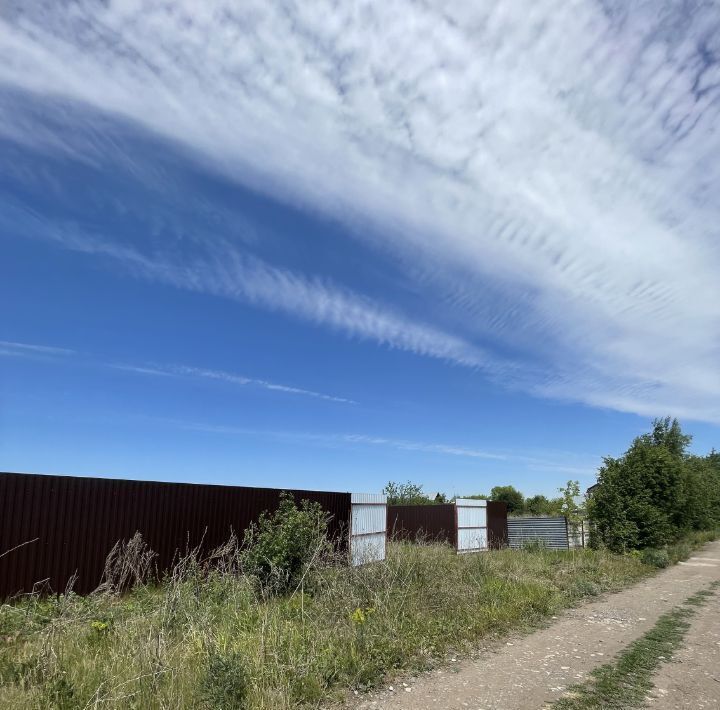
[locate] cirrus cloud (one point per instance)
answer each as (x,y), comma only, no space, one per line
(547,176)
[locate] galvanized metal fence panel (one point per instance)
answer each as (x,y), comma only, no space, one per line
(55,527)
(368,527)
(578,535)
(471,524)
(549,532)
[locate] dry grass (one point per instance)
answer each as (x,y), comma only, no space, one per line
(215,640)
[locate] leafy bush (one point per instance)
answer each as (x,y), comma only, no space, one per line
(585,588)
(281,546)
(409,494)
(225,685)
(655,558)
(655,493)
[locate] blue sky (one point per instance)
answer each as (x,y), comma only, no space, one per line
(328,247)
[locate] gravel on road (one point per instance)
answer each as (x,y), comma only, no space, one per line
(532,671)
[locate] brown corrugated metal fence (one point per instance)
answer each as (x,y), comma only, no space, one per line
(438,523)
(497,521)
(65,525)
(434,523)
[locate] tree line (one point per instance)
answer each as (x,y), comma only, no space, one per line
(649,497)
(517,504)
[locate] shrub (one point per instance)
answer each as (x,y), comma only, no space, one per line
(225,684)
(655,558)
(281,546)
(585,588)
(408,494)
(217,641)
(640,500)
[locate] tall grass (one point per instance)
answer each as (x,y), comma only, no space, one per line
(217,639)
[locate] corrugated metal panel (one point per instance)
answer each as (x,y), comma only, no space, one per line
(367,548)
(66,525)
(550,532)
(579,535)
(497,524)
(369,498)
(368,518)
(368,527)
(471,517)
(471,539)
(471,503)
(435,523)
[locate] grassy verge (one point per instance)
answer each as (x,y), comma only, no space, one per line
(214,641)
(692,541)
(626,682)
(678,551)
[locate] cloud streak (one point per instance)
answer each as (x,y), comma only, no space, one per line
(548,175)
(553,461)
(29,350)
(221,269)
(26,350)
(230,378)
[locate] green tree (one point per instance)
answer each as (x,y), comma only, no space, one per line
(474,496)
(511,496)
(702,492)
(541,505)
(712,463)
(641,497)
(406,494)
(668,434)
(570,504)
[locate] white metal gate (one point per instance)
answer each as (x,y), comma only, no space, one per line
(368,524)
(471,517)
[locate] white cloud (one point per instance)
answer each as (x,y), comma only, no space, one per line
(229,377)
(424,447)
(26,350)
(564,462)
(220,269)
(30,350)
(562,157)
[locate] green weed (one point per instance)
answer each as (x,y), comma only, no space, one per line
(218,640)
(625,683)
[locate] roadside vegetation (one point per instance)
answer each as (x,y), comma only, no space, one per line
(656,493)
(626,682)
(237,635)
(278,620)
(651,501)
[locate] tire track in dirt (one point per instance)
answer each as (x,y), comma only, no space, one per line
(692,678)
(532,671)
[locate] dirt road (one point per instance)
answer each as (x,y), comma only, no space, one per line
(692,680)
(534,670)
